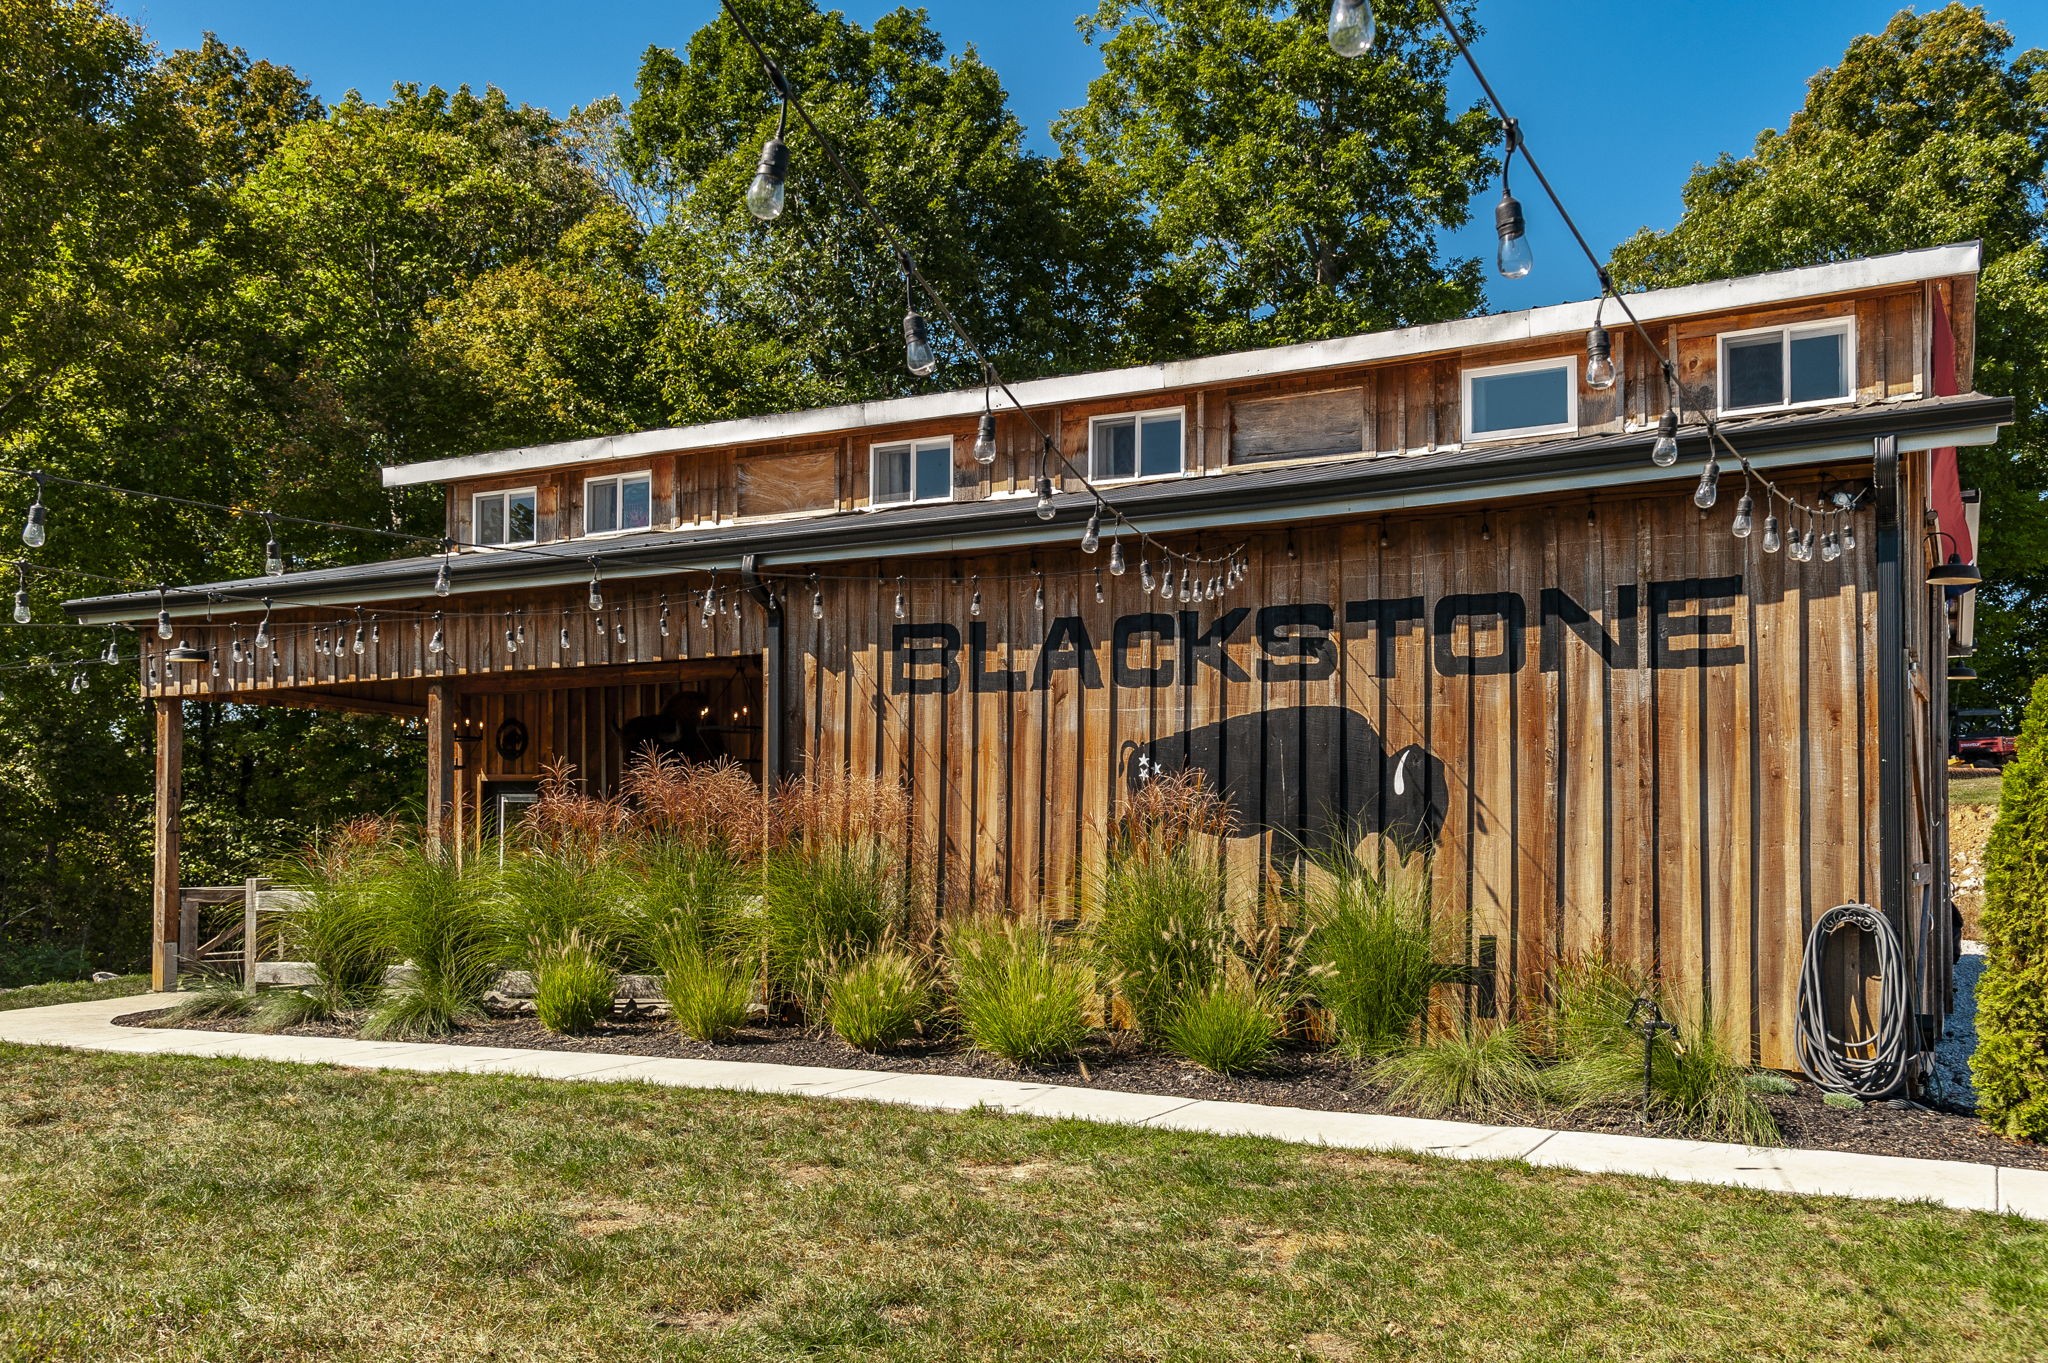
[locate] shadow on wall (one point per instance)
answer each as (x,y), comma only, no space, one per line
(1316,773)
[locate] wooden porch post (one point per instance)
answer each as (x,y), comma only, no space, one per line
(440,758)
(170,764)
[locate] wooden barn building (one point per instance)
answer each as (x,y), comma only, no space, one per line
(1476,617)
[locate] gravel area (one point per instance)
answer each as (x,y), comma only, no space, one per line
(1951,1083)
(1317,1079)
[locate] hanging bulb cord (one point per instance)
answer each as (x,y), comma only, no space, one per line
(1516,142)
(1828,1059)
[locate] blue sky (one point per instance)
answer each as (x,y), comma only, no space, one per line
(1618,100)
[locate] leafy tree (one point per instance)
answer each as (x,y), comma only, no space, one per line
(1932,131)
(1293,194)
(1039,255)
(2010,1068)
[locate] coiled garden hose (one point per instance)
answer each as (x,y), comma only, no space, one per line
(1880,1070)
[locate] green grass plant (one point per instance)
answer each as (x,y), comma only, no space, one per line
(574,983)
(212,999)
(339,926)
(1160,934)
(1231,1027)
(448,925)
(879,1002)
(1016,994)
(682,895)
(1371,950)
(1705,1083)
(1471,1070)
(552,893)
(708,994)
(824,902)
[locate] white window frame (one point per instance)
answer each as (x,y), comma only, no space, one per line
(1844,325)
(621,479)
(506,494)
(1570,425)
(1138,436)
(916,443)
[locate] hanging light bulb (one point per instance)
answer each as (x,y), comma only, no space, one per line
(32,530)
(22,614)
(357,647)
(618,628)
(985,439)
(1166,582)
(1351,27)
(442,583)
(113,653)
(1145,575)
(1801,548)
(1709,489)
(767,194)
(974,606)
(1665,452)
(77,681)
(262,639)
(510,645)
(163,612)
(917,343)
(1773,541)
(273,556)
(1098,586)
(1830,547)
(596,588)
(1849,533)
(1599,358)
(710,605)
(661,624)
(1745,517)
(1045,506)
(902,612)
(1038,598)
(1187,587)
(1116,558)
(1216,587)
(439,642)
(563,640)
(1514,259)
(1091,538)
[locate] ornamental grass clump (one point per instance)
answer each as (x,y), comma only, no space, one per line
(574,984)
(1370,946)
(1598,1054)
(1015,994)
(880,1001)
(1232,1026)
(336,925)
(1704,1082)
(448,926)
(822,904)
(217,999)
(708,994)
(711,807)
(682,896)
(2010,1067)
(1471,1069)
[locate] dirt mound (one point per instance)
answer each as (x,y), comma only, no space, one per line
(1969,827)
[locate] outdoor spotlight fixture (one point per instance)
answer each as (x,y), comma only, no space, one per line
(187,655)
(1961,671)
(1952,572)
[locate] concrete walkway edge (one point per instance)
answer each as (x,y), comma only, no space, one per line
(1824,1173)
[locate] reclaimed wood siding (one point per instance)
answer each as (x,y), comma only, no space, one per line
(1652,737)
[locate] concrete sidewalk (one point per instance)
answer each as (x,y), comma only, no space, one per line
(1948,1183)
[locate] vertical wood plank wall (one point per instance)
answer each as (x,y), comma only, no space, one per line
(1689,796)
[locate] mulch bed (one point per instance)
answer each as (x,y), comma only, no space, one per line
(1316,1079)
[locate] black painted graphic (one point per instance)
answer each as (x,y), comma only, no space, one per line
(1318,774)
(677,730)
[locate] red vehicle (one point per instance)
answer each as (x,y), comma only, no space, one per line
(1987,750)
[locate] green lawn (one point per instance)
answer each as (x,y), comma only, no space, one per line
(1974,790)
(40,995)
(168,1208)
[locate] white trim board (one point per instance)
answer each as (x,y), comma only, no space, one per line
(1507,328)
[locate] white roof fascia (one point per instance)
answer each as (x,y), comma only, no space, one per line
(1506,328)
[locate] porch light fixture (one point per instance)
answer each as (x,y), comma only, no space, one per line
(1952,571)
(186,655)
(1351,27)
(1959,670)
(1514,259)
(1599,358)
(32,530)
